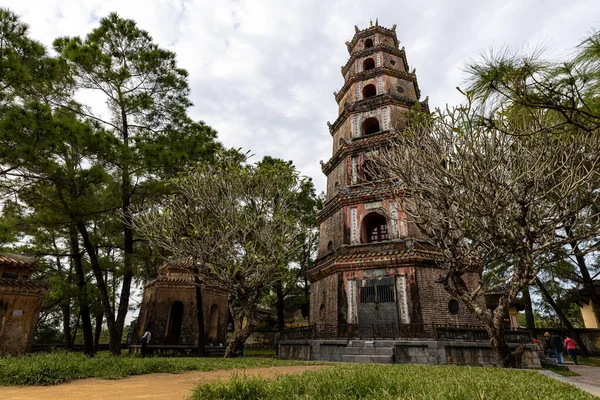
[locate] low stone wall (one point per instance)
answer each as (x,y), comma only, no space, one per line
(405,351)
(260,340)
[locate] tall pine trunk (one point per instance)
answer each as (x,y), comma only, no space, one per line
(115,342)
(113,328)
(84,306)
(66,312)
(98,330)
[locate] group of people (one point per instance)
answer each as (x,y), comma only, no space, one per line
(555,346)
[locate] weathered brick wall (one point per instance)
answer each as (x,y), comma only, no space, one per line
(324,293)
(349,97)
(398,63)
(398,116)
(17,329)
(400,86)
(434,299)
(337,176)
(157,303)
(332,229)
(342,132)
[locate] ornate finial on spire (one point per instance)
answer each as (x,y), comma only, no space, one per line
(321,162)
(402,49)
(414,71)
(371,22)
(356,29)
(329,125)
(394,27)
(426,99)
(335,94)
(376,21)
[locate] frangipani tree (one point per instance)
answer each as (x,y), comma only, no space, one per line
(235,222)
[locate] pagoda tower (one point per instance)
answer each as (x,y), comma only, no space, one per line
(373,268)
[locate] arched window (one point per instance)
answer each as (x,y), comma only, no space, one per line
(368,43)
(369,91)
(368,64)
(374,227)
(370,126)
(330,246)
(368,171)
(453,307)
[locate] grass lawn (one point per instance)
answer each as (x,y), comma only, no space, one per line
(559,369)
(57,367)
(589,360)
(408,382)
(267,353)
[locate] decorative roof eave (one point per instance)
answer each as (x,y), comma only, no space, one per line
(374,102)
(353,262)
(180,282)
(378,47)
(351,195)
(356,145)
(26,287)
(371,73)
(369,31)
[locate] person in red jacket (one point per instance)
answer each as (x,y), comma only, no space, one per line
(571,346)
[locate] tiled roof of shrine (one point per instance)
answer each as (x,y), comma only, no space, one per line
(18,260)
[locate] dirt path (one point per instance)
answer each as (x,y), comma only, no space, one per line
(152,386)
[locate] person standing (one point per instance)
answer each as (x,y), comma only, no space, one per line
(571,346)
(548,345)
(557,346)
(144,341)
(276,340)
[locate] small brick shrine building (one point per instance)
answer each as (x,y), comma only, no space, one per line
(20,303)
(169,309)
(373,268)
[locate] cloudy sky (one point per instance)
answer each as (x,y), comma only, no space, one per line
(263,73)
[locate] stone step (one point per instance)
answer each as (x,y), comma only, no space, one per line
(368,359)
(369,351)
(371,343)
(549,361)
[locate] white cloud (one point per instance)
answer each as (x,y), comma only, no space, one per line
(262,72)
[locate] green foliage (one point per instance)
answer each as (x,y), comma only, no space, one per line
(20,57)
(410,382)
(57,367)
(564,371)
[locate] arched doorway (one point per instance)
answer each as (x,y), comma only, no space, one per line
(370,126)
(213,326)
(368,43)
(174,325)
(374,228)
(369,91)
(368,64)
